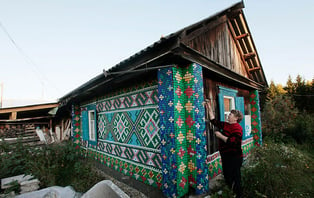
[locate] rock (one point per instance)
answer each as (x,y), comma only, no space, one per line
(29,186)
(6,182)
(51,192)
(105,188)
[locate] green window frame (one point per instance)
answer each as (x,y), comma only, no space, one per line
(238,102)
(89,124)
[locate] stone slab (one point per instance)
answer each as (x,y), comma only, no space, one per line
(5,182)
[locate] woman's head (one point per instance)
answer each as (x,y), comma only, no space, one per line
(238,116)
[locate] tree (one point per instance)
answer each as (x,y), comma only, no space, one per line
(301,92)
(290,87)
(277,115)
(274,90)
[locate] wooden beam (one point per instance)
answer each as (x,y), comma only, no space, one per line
(249,55)
(254,69)
(28,108)
(234,14)
(194,56)
(13,115)
(242,36)
(239,48)
(26,119)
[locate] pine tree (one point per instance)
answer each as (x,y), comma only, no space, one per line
(290,86)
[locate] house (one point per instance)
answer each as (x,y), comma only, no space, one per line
(145,117)
(22,122)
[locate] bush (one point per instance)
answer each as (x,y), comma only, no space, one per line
(13,159)
(302,130)
(277,116)
(56,164)
(278,170)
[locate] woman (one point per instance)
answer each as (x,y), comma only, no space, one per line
(230,139)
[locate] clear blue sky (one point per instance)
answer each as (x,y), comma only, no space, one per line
(64,43)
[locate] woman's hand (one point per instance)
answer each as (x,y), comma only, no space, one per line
(209,110)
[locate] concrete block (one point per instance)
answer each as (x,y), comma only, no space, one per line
(5,182)
(105,188)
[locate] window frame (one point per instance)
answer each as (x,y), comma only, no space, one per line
(89,124)
(92,125)
(232,106)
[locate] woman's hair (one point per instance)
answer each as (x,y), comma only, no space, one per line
(237,114)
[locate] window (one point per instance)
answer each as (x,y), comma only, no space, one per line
(229,100)
(228,105)
(226,101)
(91,125)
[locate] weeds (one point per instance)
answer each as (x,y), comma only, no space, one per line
(278,170)
(55,164)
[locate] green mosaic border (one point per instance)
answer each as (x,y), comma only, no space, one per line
(214,160)
(142,174)
(256,118)
(76,125)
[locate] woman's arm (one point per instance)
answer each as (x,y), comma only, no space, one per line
(221,136)
(211,116)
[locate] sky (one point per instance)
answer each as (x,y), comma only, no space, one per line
(50,47)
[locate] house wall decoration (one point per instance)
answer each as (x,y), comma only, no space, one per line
(145,116)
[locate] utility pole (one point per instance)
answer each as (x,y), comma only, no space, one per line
(1,93)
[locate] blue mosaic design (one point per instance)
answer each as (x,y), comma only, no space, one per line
(200,133)
(167,136)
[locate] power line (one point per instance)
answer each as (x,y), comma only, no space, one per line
(35,68)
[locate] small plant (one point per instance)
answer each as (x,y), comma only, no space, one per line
(53,165)
(14,186)
(278,170)
(13,159)
(224,192)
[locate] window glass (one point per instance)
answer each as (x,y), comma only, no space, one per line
(228,105)
(91,120)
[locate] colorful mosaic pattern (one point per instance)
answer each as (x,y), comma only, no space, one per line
(247,146)
(256,118)
(149,157)
(200,151)
(76,125)
(183,133)
(137,171)
(182,121)
(167,132)
(139,98)
(214,164)
(129,134)
(135,127)
(213,161)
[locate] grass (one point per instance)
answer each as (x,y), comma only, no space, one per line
(279,170)
(276,170)
(273,170)
(56,164)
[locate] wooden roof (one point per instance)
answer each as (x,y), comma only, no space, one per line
(29,112)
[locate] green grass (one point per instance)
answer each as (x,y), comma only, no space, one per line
(279,170)
(273,170)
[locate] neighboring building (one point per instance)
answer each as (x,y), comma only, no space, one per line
(22,121)
(145,116)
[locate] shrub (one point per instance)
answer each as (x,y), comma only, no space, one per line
(278,170)
(13,159)
(302,130)
(55,164)
(277,116)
